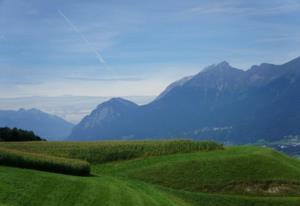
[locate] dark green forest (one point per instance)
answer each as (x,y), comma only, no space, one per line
(15,134)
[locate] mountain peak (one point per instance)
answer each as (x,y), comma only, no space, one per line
(117,102)
(224,65)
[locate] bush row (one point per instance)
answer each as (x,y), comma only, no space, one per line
(43,162)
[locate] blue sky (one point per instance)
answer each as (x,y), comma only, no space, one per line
(122,48)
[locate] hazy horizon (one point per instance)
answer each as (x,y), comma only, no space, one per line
(70,108)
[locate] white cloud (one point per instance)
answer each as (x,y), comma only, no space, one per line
(233,7)
(280,38)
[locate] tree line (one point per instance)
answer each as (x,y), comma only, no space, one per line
(15,134)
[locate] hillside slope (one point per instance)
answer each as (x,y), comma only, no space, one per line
(237,170)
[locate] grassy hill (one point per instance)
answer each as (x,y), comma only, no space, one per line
(244,170)
(211,176)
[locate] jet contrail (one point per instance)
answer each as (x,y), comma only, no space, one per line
(74,27)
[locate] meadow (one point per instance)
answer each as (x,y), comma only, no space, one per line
(181,173)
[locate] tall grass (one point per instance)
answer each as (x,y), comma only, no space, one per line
(43,162)
(100,152)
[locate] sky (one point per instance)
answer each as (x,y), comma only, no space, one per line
(132,48)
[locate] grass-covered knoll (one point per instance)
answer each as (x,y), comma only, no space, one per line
(106,151)
(243,170)
(10,157)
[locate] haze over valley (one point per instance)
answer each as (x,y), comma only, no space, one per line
(70,108)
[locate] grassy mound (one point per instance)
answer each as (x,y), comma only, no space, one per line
(43,162)
(100,152)
(242,170)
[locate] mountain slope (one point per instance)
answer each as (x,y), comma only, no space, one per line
(221,103)
(44,125)
(111,114)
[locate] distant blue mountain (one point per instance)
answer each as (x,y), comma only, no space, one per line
(115,113)
(220,102)
(47,126)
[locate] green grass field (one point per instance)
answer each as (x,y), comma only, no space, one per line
(163,173)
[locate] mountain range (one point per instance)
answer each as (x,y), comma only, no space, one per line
(45,125)
(69,107)
(220,102)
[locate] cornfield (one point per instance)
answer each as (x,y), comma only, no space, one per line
(106,151)
(10,157)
